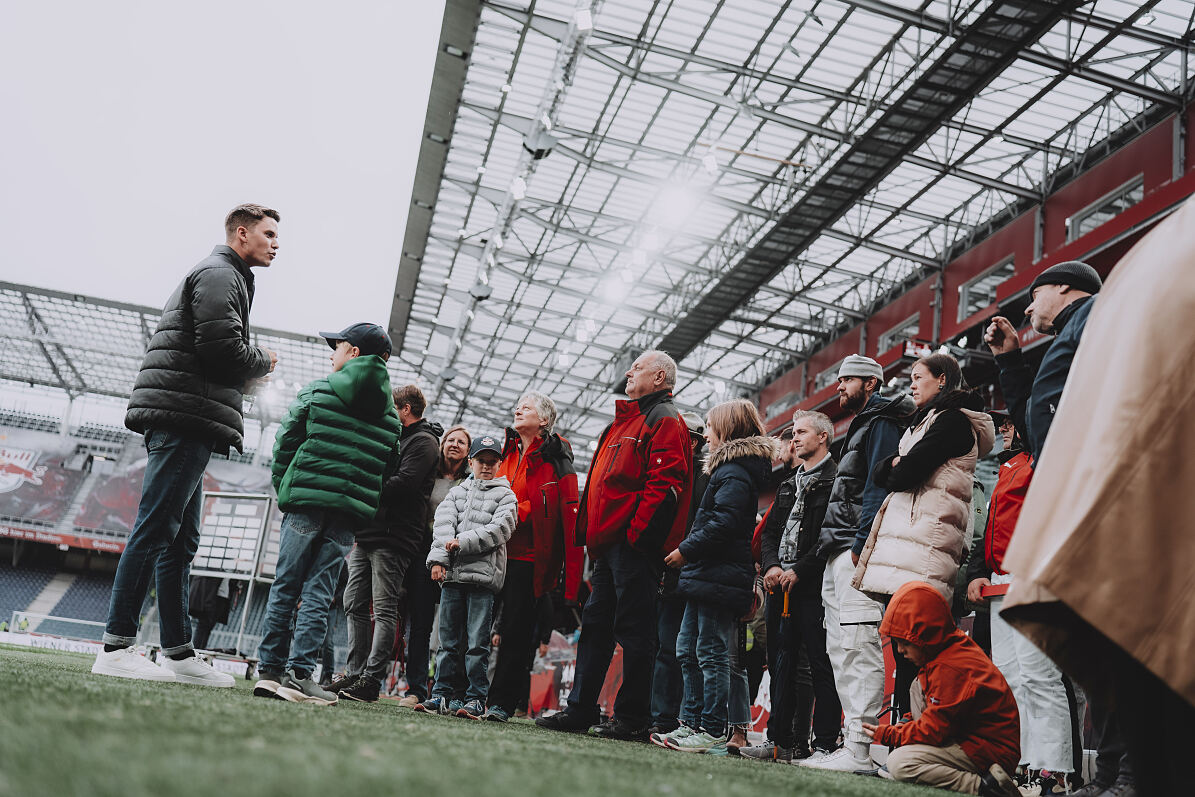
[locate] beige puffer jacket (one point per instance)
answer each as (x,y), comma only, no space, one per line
(922,535)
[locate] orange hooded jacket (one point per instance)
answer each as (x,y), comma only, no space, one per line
(967,700)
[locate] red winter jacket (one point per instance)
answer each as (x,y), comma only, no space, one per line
(967,700)
(1012,485)
(545,485)
(639,481)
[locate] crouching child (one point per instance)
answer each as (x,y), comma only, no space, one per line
(337,441)
(965,733)
(468,559)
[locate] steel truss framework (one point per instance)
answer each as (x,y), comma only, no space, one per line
(735,181)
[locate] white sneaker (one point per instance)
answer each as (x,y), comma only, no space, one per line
(128,663)
(843,760)
(193,670)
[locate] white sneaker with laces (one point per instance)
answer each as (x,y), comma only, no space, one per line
(842,760)
(128,663)
(193,670)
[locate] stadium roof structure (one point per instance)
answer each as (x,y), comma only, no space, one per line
(734,181)
(85,346)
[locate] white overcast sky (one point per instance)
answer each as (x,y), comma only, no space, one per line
(129,129)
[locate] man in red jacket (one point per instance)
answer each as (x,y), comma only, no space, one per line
(633,509)
(965,734)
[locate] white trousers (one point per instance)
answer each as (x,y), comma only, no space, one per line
(853,644)
(1036,683)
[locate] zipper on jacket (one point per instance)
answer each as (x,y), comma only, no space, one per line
(543,491)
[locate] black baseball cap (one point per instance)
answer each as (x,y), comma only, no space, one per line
(485,443)
(369,338)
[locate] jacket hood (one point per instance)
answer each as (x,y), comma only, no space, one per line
(900,408)
(985,431)
(918,614)
(363,384)
(751,451)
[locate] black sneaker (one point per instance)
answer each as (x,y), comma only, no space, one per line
(617,729)
(363,690)
(662,728)
(1123,787)
(563,721)
(340,683)
(997,783)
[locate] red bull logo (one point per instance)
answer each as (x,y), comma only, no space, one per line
(16,468)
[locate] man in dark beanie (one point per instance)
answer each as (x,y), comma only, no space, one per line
(1061,300)
(1062,297)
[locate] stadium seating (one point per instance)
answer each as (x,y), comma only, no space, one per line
(20,585)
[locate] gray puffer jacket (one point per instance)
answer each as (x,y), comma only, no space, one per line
(481,516)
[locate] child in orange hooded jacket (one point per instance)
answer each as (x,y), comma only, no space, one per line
(965,734)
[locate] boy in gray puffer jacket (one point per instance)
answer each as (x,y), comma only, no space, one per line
(468,558)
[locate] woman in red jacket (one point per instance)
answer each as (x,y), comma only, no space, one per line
(539,465)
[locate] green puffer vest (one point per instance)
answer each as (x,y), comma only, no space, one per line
(337,442)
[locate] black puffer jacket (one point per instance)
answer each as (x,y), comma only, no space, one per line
(199,358)
(402,521)
(720,568)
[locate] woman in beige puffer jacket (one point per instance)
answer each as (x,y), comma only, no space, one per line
(922,528)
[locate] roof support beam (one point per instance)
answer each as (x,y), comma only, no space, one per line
(976,56)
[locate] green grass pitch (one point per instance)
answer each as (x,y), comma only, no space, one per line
(64,731)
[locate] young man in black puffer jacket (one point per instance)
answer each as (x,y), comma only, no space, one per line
(187,401)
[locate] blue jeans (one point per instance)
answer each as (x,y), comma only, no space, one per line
(667,684)
(163,542)
(703,647)
(466,617)
(621,608)
(738,707)
(310,555)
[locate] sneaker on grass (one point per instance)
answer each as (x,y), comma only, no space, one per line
(268,684)
(193,670)
(496,714)
(128,663)
(473,710)
(769,751)
(305,690)
(433,705)
(620,730)
(997,783)
(362,690)
(842,760)
(665,739)
(700,742)
(340,683)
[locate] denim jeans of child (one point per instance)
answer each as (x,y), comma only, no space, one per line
(310,555)
(703,647)
(163,542)
(466,616)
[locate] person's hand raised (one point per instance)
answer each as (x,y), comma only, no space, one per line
(1001,336)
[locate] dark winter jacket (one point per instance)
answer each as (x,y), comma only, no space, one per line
(337,442)
(1033,400)
(639,480)
(199,358)
(815,497)
(671,576)
(719,566)
(855,498)
(401,522)
(545,483)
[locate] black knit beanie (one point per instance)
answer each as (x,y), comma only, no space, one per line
(1074,273)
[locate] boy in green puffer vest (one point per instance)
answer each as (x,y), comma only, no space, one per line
(334,447)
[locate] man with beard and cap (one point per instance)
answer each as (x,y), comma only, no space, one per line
(852,618)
